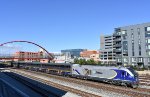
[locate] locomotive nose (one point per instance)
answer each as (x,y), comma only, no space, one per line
(136,75)
(136,78)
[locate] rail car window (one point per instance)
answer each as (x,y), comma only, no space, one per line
(127,74)
(123,73)
(132,70)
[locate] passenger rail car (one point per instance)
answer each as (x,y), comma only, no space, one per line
(52,68)
(113,75)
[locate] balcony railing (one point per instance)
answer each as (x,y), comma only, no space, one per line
(116,34)
(118,55)
(117,50)
(117,39)
(118,45)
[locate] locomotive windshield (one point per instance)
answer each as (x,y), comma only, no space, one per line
(133,71)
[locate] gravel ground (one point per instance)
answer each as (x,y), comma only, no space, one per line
(80,87)
(144,72)
(145,81)
(143,86)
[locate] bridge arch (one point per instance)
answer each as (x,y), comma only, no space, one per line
(51,57)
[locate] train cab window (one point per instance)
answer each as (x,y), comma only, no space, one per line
(123,74)
(127,74)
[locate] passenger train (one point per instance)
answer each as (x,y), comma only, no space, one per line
(114,75)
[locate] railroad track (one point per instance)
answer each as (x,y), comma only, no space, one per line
(62,87)
(140,92)
(144,80)
(144,77)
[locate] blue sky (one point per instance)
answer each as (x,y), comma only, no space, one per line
(67,24)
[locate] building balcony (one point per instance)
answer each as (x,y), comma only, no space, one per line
(109,57)
(147,50)
(117,50)
(118,55)
(118,45)
(117,39)
(133,62)
(147,34)
(105,56)
(117,33)
(140,62)
(125,51)
(119,62)
(147,44)
(109,54)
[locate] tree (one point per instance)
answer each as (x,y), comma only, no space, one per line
(91,62)
(82,62)
(85,62)
(76,61)
(99,63)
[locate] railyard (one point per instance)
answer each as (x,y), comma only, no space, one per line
(87,88)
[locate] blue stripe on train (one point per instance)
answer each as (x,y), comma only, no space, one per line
(77,71)
(120,75)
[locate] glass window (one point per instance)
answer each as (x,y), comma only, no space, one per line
(148,40)
(148,46)
(133,59)
(132,70)
(139,53)
(148,59)
(140,59)
(139,47)
(125,60)
(148,53)
(132,53)
(132,36)
(119,60)
(139,41)
(123,73)
(125,45)
(124,37)
(138,31)
(123,32)
(147,31)
(147,28)
(132,33)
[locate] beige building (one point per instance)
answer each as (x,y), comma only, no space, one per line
(106,48)
(90,54)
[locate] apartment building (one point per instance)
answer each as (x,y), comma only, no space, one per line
(107,55)
(131,45)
